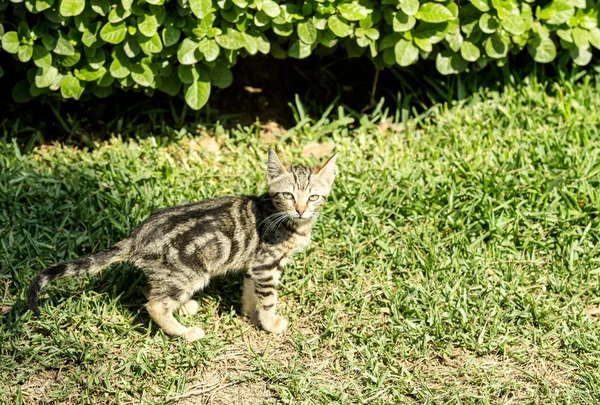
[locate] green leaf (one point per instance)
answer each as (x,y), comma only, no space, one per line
(87,74)
(231,40)
(62,46)
(10,42)
(469,51)
(250,43)
(448,62)
(581,38)
(25,53)
(581,56)
(270,8)
(263,45)
(557,12)
(221,76)
(114,33)
(434,32)
(131,47)
(200,8)
(406,53)
(45,77)
(143,75)
(147,24)
(300,50)
(261,19)
(209,48)
(595,37)
(170,85)
(434,13)
(307,32)
(389,41)
(196,94)
(187,74)
(151,45)
(170,36)
(283,30)
(70,8)
(403,22)
(488,23)
(541,49)
(71,60)
(118,70)
(90,35)
(423,44)
(481,5)
(409,7)
(353,11)
(186,54)
(97,59)
(495,47)
(338,26)
(240,3)
(71,87)
(455,40)
(101,7)
(41,57)
(515,24)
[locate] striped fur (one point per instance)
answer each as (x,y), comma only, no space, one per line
(181,248)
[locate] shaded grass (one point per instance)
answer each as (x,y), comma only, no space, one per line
(456,262)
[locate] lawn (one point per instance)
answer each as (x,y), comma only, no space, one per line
(457,261)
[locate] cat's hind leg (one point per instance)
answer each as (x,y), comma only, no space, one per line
(189,308)
(163,301)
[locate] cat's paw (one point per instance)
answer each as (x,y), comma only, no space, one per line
(189,308)
(278,325)
(193,333)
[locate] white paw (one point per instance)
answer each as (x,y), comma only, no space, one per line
(278,325)
(193,333)
(189,308)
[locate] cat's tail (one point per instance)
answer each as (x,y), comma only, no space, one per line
(89,264)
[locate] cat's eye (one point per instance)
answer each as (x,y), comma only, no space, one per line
(288,196)
(313,197)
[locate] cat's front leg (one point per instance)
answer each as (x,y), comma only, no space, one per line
(265,282)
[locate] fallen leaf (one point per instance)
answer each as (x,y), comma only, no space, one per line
(594,311)
(194,146)
(318,149)
(4,309)
(270,131)
(251,89)
(210,145)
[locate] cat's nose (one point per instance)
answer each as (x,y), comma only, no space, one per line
(301,211)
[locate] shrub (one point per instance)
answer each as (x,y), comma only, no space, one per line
(186,46)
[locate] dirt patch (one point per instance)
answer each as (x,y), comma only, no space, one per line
(484,376)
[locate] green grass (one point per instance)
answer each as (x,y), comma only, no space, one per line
(457,262)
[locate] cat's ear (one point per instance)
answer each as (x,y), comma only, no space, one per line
(274,168)
(327,170)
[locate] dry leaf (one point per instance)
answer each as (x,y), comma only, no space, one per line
(194,146)
(210,145)
(251,89)
(4,309)
(594,311)
(318,149)
(270,131)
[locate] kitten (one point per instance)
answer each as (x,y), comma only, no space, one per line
(181,248)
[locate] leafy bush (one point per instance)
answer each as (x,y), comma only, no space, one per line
(94,46)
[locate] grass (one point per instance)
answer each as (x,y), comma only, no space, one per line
(457,261)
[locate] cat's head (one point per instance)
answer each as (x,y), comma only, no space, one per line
(299,191)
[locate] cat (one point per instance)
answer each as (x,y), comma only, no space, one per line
(181,248)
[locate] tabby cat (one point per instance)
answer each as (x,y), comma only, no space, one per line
(181,248)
